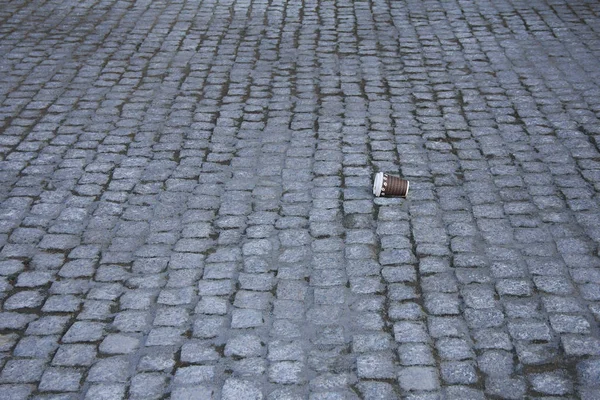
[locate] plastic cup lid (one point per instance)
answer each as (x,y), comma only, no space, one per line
(377,184)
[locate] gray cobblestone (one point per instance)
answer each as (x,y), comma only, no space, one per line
(194,375)
(113,369)
(458,372)
(192,393)
(250,367)
(185,186)
(84,332)
(579,345)
(16,392)
(147,386)
(552,383)
(535,353)
(418,378)
(463,392)
(36,346)
(118,344)
(22,371)
(509,388)
(23,300)
(244,346)
(286,372)
(236,388)
(75,355)
(106,392)
(60,380)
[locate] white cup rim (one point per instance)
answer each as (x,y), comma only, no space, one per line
(377,184)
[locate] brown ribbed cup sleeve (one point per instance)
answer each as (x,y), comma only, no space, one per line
(395,186)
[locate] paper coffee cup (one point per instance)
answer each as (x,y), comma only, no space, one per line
(385,185)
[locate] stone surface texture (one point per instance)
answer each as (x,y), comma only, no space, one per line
(186,207)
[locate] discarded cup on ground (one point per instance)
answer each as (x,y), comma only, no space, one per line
(386,185)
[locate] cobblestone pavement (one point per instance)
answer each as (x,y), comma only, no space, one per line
(186,208)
